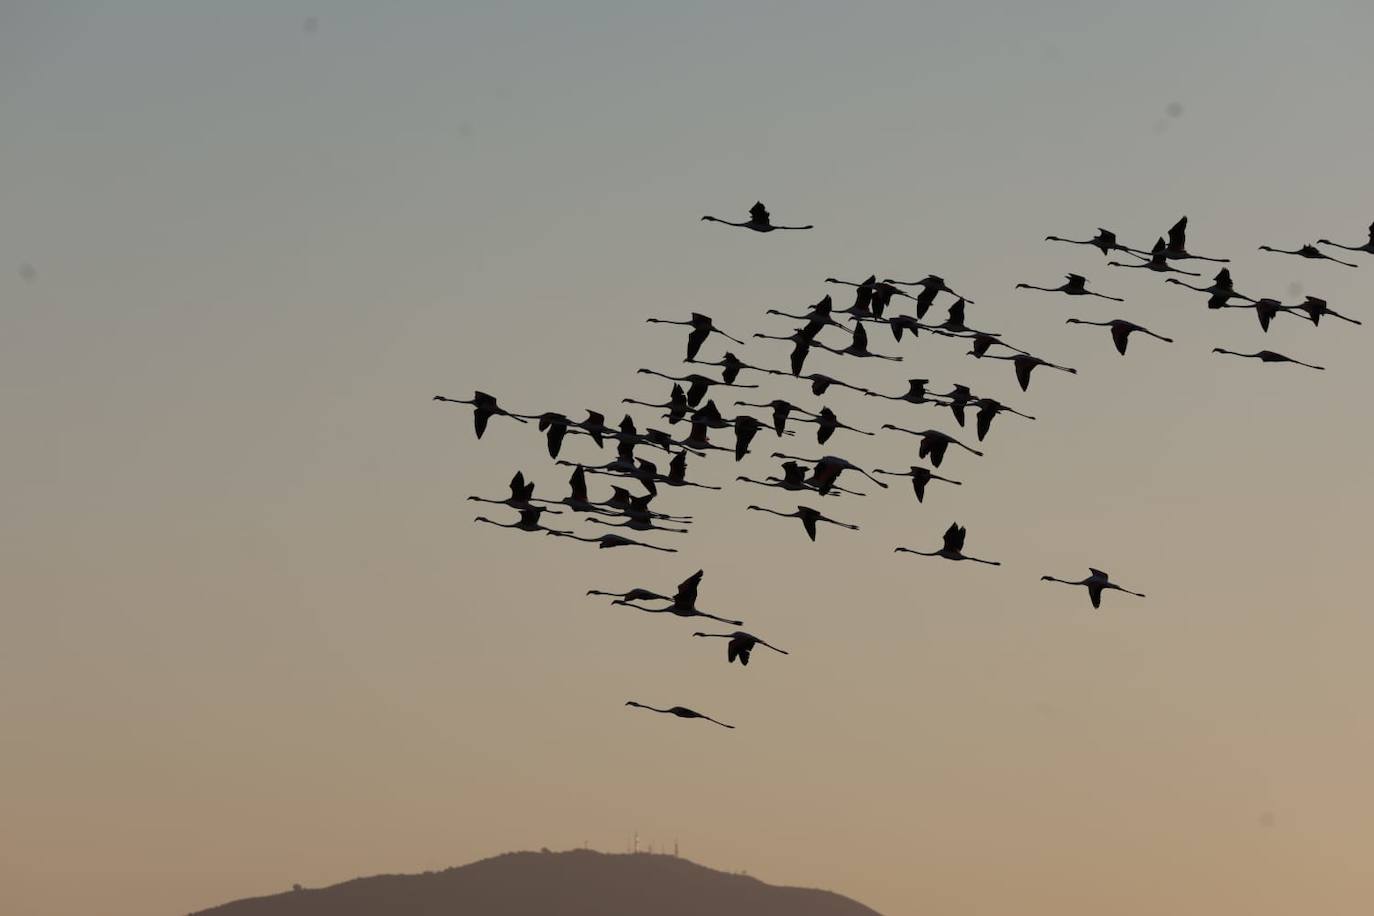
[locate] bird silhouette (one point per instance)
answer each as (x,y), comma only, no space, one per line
(794,478)
(827,470)
(820,315)
(858,346)
(1367,247)
(915,393)
(682,712)
(702,328)
(1265,310)
(1267,356)
(920,477)
(683,603)
(953,548)
(874,295)
(1316,309)
(809,517)
(1219,293)
(741,644)
(1105,241)
(1121,331)
(521,495)
(1096,582)
(697,385)
(1025,364)
(1157,260)
(731,366)
(988,409)
(1311,252)
(827,423)
(1176,248)
(676,405)
(1076,285)
(759,220)
(781,411)
(529,521)
(934,443)
(485,407)
(957,399)
(931,286)
(607,541)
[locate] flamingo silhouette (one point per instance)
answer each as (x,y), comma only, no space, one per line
(740,645)
(1311,252)
(1096,582)
(1025,364)
(759,220)
(809,517)
(953,548)
(485,408)
(702,328)
(934,443)
(1121,331)
(1076,285)
(1367,247)
(1105,242)
(1157,260)
(1267,356)
(920,477)
(682,604)
(682,712)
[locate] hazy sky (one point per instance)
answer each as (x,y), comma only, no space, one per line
(251,636)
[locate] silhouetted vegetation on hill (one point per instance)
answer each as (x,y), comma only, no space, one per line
(575,883)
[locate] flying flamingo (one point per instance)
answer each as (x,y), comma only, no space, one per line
(1025,364)
(521,494)
(919,478)
(485,408)
(607,541)
(1267,356)
(1096,582)
(1077,285)
(682,712)
(827,422)
(683,603)
(915,393)
(953,548)
(1265,310)
(1176,249)
(1105,242)
(697,385)
(758,220)
(989,408)
(1121,331)
(809,517)
(828,469)
(740,645)
(1316,308)
(1157,260)
(1367,247)
(934,443)
(794,478)
(529,521)
(702,328)
(1219,293)
(1311,252)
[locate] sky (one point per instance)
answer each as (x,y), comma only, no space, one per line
(251,636)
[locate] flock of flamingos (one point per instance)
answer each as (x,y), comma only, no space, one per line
(819,477)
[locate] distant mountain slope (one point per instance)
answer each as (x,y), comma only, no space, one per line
(575,883)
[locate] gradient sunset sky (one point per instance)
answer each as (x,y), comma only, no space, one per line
(251,636)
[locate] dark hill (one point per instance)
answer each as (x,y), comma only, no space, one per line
(576,883)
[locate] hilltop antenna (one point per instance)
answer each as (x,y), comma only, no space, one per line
(636,846)
(675,855)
